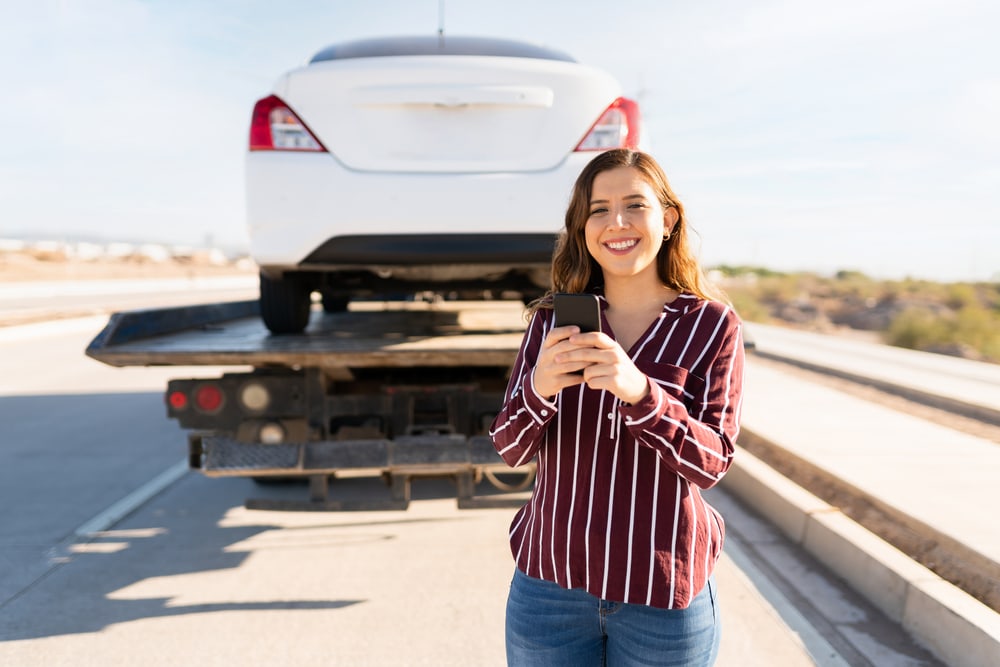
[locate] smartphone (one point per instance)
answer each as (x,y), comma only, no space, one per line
(583,310)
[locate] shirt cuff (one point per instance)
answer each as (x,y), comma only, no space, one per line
(647,409)
(540,408)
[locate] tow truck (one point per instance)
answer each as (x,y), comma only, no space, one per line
(402,389)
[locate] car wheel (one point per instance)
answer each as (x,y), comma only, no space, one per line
(284,304)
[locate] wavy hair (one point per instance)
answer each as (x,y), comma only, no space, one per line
(573,268)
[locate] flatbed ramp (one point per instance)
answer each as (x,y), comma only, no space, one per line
(370,334)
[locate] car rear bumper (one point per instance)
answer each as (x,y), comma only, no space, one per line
(430,249)
(308,210)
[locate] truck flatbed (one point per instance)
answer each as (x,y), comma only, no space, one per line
(405,389)
(369,334)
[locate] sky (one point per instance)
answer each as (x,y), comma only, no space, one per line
(801,135)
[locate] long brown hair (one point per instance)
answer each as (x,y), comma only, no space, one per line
(573,268)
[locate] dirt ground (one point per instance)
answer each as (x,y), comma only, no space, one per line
(16,267)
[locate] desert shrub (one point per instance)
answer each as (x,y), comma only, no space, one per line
(979,328)
(856,284)
(778,289)
(742,270)
(850,276)
(955,318)
(916,329)
(748,307)
(972,328)
(961,295)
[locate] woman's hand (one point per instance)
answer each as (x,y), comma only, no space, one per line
(554,372)
(605,365)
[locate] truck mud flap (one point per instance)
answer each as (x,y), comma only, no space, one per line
(399,460)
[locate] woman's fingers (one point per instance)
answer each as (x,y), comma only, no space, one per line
(604,364)
(589,348)
(559,334)
(552,372)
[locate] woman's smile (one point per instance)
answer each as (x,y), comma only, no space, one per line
(620,246)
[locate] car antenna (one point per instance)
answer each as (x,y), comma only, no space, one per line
(441,23)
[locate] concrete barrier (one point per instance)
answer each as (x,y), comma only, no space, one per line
(957,628)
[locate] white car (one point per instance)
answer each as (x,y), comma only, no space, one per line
(405,165)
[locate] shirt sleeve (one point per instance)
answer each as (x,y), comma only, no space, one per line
(519,427)
(695,433)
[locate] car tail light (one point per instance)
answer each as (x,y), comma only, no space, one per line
(618,127)
(209,398)
(275,127)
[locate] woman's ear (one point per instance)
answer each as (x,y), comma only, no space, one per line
(670,218)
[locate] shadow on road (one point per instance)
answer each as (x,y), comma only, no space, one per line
(181,553)
(95,583)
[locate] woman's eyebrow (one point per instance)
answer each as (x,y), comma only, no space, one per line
(605,201)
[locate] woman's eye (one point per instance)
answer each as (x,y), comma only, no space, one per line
(637,205)
(598,211)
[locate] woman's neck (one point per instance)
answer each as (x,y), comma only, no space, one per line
(636,294)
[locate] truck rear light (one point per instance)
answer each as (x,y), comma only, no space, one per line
(618,127)
(255,397)
(275,127)
(178,400)
(271,433)
(209,398)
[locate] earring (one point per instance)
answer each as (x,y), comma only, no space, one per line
(666,235)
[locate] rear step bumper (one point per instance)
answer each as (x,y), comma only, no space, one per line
(218,456)
(399,460)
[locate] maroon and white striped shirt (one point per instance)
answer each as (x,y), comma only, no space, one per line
(617,508)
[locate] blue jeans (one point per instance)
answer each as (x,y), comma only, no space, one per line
(550,626)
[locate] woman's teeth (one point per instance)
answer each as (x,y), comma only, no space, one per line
(621,245)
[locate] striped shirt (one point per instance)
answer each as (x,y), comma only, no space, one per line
(617,506)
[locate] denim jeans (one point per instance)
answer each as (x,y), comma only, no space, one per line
(555,627)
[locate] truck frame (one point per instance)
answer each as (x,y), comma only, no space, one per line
(403,389)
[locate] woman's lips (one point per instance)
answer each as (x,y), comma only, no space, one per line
(621,246)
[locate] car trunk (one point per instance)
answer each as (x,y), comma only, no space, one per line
(448,113)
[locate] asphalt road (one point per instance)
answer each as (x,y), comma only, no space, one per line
(112,554)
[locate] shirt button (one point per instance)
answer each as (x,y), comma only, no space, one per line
(545,413)
(611,415)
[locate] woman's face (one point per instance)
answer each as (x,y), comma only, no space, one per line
(625,228)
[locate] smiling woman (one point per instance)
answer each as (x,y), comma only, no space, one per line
(628,424)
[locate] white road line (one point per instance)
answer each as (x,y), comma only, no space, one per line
(820,650)
(133,501)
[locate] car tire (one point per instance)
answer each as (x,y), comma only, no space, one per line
(284,304)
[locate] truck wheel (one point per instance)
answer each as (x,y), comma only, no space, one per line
(284,304)
(334,304)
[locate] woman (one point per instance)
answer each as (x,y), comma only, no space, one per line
(616,548)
